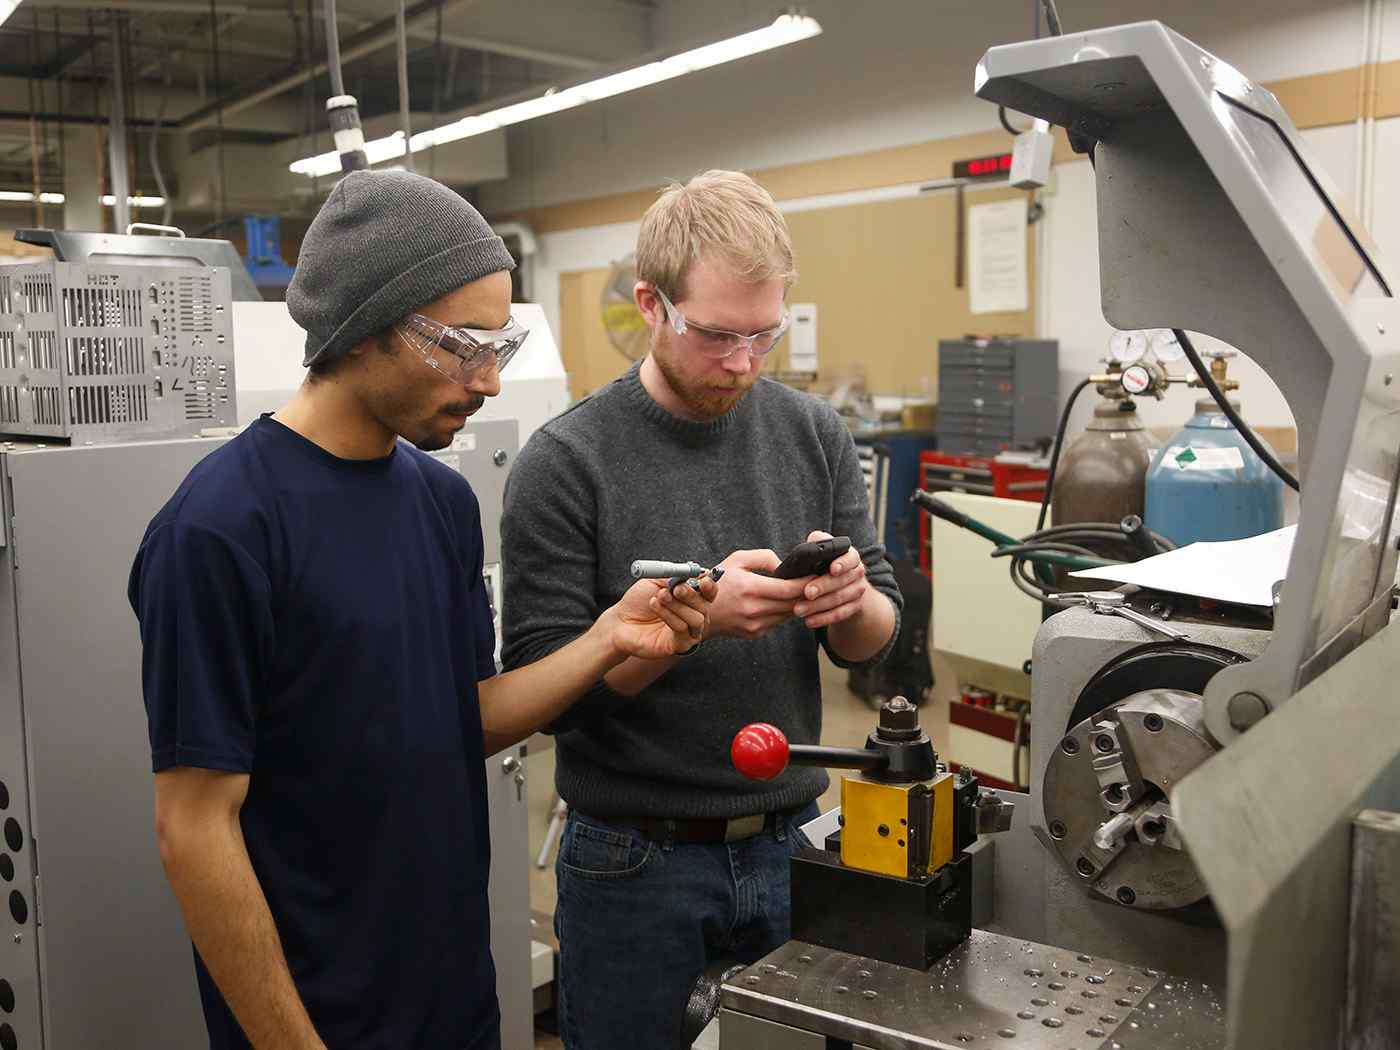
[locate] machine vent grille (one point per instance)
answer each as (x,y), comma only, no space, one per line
(48,409)
(44,350)
(199,405)
(195,303)
(9,404)
(102,307)
(6,303)
(43,347)
(38,293)
(106,355)
(107,404)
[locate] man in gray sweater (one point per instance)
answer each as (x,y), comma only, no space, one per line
(671,860)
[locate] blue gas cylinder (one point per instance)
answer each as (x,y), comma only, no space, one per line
(1208,484)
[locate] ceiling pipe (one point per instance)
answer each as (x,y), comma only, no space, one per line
(380,35)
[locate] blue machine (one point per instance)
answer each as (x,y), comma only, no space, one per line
(1207,484)
(264,258)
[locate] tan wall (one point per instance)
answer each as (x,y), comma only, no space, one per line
(10,247)
(1315,101)
(590,359)
(883,276)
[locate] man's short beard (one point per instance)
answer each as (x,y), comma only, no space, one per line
(705,401)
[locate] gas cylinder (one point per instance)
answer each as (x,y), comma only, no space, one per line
(1207,484)
(1101,473)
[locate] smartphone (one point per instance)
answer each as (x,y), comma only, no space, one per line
(811,559)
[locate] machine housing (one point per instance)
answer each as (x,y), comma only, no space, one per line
(91,354)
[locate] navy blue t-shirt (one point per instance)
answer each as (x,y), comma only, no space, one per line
(321,624)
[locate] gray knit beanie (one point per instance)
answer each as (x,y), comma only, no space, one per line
(384,244)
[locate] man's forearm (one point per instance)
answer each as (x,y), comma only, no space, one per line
(229,921)
(524,701)
(864,635)
(633,675)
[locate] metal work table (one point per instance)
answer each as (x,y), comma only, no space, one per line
(992,992)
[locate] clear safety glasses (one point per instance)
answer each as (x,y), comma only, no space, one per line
(718,344)
(460,353)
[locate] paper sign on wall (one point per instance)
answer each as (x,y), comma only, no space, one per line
(802,338)
(996,251)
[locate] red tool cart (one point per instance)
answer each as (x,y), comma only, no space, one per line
(1006,476)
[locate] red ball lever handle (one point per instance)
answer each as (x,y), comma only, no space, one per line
(759,751)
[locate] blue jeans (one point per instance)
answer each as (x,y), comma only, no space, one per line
(638,922)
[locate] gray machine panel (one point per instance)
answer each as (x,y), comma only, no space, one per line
(484,452)
(102,927)
(124,249)
(1212,218)
(19,947)
(114,950)
(95,354)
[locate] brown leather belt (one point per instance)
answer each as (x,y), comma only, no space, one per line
(702,830)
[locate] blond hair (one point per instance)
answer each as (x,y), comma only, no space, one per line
(723,215)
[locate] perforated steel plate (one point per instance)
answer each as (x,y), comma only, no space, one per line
(992,993)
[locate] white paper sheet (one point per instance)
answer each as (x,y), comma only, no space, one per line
(1240,571)
(996,257)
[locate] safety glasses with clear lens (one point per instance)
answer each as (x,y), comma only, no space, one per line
(460,353)
(718,344)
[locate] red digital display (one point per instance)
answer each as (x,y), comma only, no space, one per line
(982,167)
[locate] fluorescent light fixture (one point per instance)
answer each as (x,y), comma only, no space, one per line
(377,150)
(135,202)
(786,29)
(7,8)
(20,197)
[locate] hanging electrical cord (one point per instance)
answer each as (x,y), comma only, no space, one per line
(1055,450)
(1260,449)
(1052,17)
(1001,116)
(1082,545)
(404,119)
(333,50)
(342,111)
(1074,540)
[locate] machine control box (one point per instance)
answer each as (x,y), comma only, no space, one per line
(95,354)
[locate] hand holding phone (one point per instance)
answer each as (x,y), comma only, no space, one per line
(810,559)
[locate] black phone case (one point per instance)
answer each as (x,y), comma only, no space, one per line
(812,559)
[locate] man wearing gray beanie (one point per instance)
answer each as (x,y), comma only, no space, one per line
(318,663)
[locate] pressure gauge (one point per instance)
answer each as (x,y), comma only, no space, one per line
(1165,347)
(1137,379)
(1127,347)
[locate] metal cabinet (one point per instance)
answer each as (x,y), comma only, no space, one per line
(996,394)
(93,951)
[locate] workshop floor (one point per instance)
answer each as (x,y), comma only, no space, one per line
(847,721)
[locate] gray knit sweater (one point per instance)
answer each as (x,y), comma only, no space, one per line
(616,478)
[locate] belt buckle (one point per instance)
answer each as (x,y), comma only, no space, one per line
(743,827)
